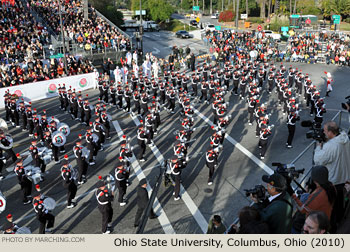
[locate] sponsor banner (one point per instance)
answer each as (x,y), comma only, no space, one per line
(47,89)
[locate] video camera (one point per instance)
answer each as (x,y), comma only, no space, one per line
(259,191)
(347,103)
(316,132)
(288,171)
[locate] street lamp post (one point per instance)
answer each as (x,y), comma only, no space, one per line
(63,39)
(141,28)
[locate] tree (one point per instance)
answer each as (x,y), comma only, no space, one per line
(339,7)
(307,7)
(262,8)
(159,10)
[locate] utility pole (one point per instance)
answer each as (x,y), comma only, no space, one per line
(63,39)
(141,28)
(211,7)
(86,9)
(222,5)
(237,14)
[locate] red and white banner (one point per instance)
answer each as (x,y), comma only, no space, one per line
(47,89)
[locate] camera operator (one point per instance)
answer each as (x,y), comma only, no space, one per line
(249,223)
(277,210)
(321,198)
(335,155)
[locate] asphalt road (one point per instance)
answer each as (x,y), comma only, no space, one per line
(239,166)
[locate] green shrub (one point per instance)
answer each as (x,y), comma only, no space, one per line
(255,20)
(175,25)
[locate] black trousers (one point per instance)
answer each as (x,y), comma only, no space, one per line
(12,154)
(107,214)
(127,104)
(43,219)
(26,186)
(72,190)
(139,213)
(177,179)
(40,163)
(120,101)
(211,172)
(263,144)
(204,94)
(55,152)
(137,108)
(121,185)
(114,102)
(82,115)
(30,127)
(291,131)
(24,122)
(142,150)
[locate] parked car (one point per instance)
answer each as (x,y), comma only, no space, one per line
(214,16)
(275,36)
(210,27)
(182,34)
(194,23)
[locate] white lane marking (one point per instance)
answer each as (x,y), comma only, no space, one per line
(163,219)
(156,50)
(203,224)
(250,155)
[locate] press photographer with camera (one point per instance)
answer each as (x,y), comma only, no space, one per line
(320,197)
(335,155)
(276,210)
(250,222)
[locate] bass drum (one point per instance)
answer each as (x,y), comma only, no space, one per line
(52,118)
(3,125)
(23,230)
(64,128)
(95,137)
(58,139)
(49,203)
(86,152)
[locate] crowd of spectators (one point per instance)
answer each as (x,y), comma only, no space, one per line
(231,46)
(308,48)
(21,37)
(94,33)
(24,41)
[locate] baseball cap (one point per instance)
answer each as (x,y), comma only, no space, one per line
(143,181)
(100,183)
(276,180)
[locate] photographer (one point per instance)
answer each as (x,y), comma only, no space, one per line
(249,223)
(276,211)
(321,198)
(335,155)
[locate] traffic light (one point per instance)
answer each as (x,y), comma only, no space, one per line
(141,30)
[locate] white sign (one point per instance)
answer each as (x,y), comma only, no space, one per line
(47,89)
(244,16)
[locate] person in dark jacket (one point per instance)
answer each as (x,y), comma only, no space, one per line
(142,202)
(277,210)
(216,226)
